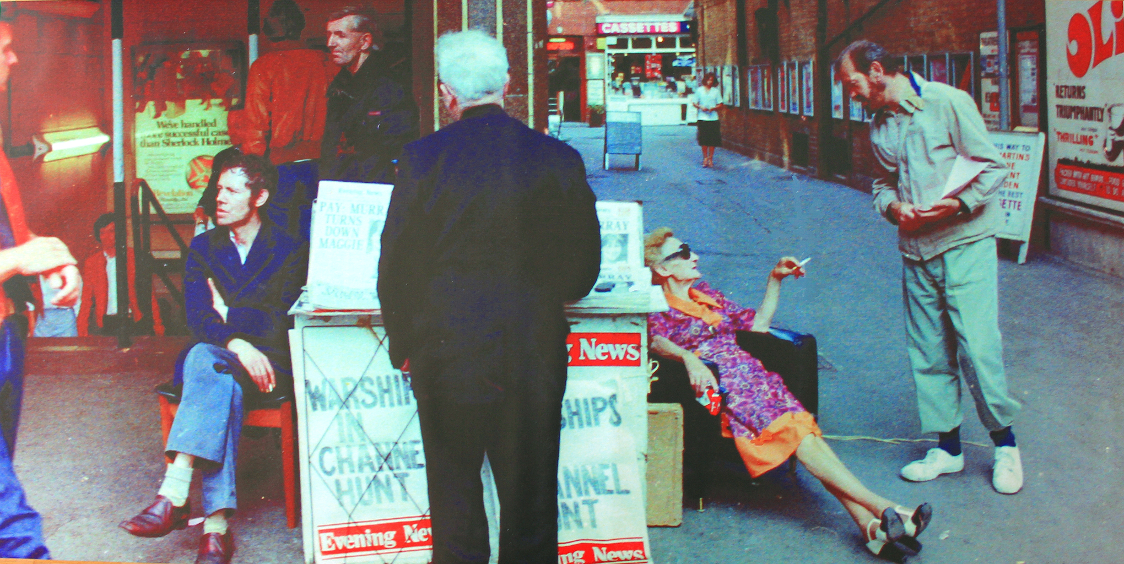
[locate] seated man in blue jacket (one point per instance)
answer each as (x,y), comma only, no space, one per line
(241,279)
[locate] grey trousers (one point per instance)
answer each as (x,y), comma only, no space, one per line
(208,423)
(952,325)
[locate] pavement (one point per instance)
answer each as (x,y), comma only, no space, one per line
(89,446)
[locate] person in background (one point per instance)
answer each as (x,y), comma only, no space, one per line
(240,280)
(950,282)
(286,93)
(370,117)
(99,314)
(707,101)
(768,423)
(22,254)
(491,227)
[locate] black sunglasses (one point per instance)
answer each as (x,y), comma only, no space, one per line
(684,253)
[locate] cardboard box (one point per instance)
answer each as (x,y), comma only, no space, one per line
(665,465)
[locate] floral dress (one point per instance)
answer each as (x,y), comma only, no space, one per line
(756,397)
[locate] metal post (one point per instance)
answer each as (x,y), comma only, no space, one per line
(1004,71)
(119,202)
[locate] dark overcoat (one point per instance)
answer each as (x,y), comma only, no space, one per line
(491,228)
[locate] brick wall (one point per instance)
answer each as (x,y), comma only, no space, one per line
(905,27)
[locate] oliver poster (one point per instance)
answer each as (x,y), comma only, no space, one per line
(1085,59)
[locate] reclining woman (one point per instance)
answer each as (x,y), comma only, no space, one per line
(767,421)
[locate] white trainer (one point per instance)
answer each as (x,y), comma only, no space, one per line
(936,462)
(1007,474)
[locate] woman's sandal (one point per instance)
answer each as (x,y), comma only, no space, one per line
(882,542)
(915,521)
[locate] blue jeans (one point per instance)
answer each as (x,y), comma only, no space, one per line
(208,423)
(21,529)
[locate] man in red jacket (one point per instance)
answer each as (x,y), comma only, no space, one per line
(99,270)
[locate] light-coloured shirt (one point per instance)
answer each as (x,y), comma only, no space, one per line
(243,250)
(708,98)
(111,285)
(916,146)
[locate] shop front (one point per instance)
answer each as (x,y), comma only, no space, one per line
(649,67)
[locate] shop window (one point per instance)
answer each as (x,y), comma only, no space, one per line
(961,73)
(642,43)
(686,42)
(650,75)
(917,64)
(618,43)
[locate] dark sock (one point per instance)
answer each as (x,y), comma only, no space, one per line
(950,441)
(1003,437)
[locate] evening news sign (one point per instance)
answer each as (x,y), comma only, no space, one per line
(639,28)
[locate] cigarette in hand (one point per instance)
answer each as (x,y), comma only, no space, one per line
(803,262)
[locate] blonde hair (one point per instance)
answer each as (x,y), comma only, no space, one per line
(653,242)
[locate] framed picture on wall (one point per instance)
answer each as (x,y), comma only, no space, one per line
(782,87)
(808,86)
(837,95)
(793,87)
(754,88)
(766,87)
(182,95)
(858,113)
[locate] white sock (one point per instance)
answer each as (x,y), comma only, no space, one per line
(177,484)
(215,523)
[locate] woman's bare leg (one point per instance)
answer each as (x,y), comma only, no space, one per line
(821,461)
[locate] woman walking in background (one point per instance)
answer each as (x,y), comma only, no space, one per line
(707,101)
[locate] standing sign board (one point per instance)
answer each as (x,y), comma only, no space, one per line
(1022,152)
(1085,63)
(623,135)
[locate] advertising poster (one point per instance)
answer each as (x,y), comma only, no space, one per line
(989,79)
(793,87)
(182,97)
(755,88)
(782,88)
(808,85)
(836,95)
(1085,61)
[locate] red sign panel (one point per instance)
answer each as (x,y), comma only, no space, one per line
(386,536)
(639,28)
(604,349)
(1101,184)
(597,552)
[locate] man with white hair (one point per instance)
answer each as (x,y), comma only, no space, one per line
(370,117)
(491,228)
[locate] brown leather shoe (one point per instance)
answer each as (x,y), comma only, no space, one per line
(215,548)
(158,519)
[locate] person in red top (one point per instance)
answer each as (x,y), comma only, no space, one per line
(22,254)
(286,93)
(96,304)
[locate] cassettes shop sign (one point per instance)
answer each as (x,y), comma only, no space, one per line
(604,349)
(389,536)
(639,28)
